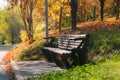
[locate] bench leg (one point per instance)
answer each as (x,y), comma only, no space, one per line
(59,61)
(82,56)
(49,56)
(67,60)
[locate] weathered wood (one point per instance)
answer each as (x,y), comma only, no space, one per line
(68,45)
(57,50)
(67,42)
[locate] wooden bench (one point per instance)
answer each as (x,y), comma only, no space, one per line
(68,48)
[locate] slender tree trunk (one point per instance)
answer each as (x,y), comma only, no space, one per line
(102,10)
(84,11)
(94,13)
(30,25)
(30,22)
(60,18)
(117,9)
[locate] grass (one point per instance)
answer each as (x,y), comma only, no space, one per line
(107,70)
(32,52)
(104,42)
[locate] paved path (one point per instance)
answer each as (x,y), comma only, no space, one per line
(26,69)
(3,51)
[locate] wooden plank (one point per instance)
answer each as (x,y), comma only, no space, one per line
(57,50)
(81,35)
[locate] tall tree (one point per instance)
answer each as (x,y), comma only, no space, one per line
(10,25)
(58,10)
(74,6)
(26,7)
(63,4)
(102,3)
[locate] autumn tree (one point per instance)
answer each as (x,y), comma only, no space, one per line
(26,7)
(57,11)
(82,10)
(10,25)
(74,6)
(14,25)
(63,6)
(102,3)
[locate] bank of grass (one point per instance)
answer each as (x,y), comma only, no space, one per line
(107,70)
(32,52)
(102,43)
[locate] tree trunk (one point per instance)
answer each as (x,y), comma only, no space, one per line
(74,6)
(84,11)
(117,9)
(94,13)
(102,10)
(73,14)
(60,18)
(30,24)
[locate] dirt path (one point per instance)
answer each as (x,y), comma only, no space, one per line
(3,51)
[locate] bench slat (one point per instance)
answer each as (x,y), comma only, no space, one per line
(68,44)
(58,50)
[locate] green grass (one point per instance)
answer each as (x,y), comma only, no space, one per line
(107,70)
(104,42)
(32,52)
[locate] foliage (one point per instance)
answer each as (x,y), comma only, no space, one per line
(104,42)
(23,36)
(37,32)
(10,25)
(108,70)
(58,10)
(32,52)
(66,22)
(26,9)
(1,39)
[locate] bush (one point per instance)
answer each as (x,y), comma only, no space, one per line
(32,52)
